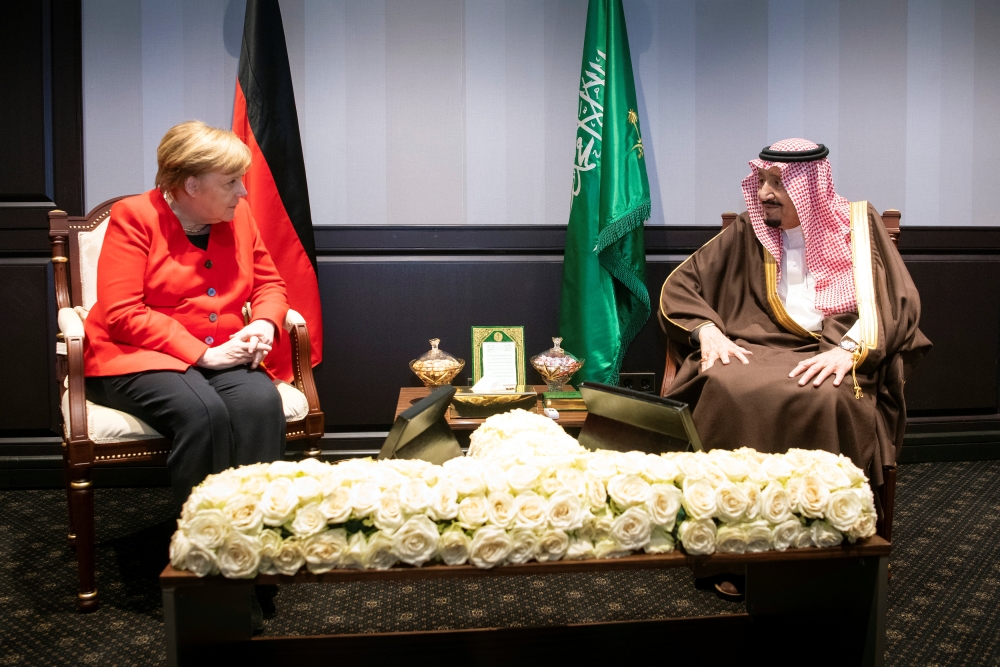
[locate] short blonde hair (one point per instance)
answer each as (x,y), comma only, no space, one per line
(194,148)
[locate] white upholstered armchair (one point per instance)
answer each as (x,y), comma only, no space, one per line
(97,436)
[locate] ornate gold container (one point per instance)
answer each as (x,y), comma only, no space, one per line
(556,365)
(436,368)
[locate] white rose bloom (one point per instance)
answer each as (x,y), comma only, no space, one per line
(354,556)
(415,496)
(495,478)
(631,529)
(254,485)
(552,545)
(730,502)
(628,490)
(325,551)
(843,509)
(776,504)
(777,467)
(697,536)
(660,469)
(731,539)
(523,477)
(179,547)
(314,467)
(714,474)
(759,536)
(794,488)
(364,498)
(416,540)
(490,546)
(732,466)
(208,529)
(243,513)
(597,495)
(631,463)
(549,485)
(804,539)
(609,548)
(597,527)
(307,488)
(833,476)
(379,553)
(814,497)
(699,499)
(239,556)
(564,511)
(867,498)
(573,480)
(282,469)
(453,546)
(218,489)
(660,542)
(336,505)
(200,561)
(530,510)
(853,472)
(279,501)
(757,475)
(825,535)
(603,465)
(690,466)
(288,558)
(309,520)
(270,544)
(786,533)
(752,492)
(579,549)
(444,500)
(864,527)
(472,512)
(467,483)
(388,515)
(524,541)
(663,504)
(500,509)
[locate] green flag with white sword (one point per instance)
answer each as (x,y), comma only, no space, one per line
(604,298)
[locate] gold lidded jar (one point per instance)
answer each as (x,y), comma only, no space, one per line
(436,368)
(556,365)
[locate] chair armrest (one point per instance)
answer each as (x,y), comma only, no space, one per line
(295,325)
(70,323)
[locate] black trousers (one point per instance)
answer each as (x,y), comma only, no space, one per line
(217,419)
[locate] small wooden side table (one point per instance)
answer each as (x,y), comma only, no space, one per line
(568,419)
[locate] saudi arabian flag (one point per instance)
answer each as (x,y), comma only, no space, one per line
(604,298)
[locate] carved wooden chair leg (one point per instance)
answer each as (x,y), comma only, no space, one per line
(71,535)
(82,504)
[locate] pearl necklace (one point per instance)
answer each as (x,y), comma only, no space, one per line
(190,231)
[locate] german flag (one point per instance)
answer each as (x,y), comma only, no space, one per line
(264,118)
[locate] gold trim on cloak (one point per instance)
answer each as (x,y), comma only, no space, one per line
(778,308)
(676,269)
(864,286)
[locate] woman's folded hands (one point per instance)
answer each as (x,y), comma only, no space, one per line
(249,345)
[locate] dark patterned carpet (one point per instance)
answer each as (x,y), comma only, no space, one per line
(944,598)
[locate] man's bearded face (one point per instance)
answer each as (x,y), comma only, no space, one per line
(779,211)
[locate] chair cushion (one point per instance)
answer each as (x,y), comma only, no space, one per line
(107,425)
(90,244)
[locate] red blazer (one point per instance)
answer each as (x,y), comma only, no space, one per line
(161,301)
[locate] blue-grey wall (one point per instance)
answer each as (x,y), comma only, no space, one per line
(463,111)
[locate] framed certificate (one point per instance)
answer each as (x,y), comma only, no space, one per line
(498,352)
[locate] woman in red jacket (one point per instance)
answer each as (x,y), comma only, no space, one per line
(166,340)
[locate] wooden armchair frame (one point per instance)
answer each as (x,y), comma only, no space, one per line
(887,492)
(80,454)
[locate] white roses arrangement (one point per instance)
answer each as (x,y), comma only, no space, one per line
(527,491)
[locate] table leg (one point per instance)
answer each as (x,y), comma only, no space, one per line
(844,600)
(199,619)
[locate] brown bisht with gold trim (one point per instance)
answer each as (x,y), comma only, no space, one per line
(732,282)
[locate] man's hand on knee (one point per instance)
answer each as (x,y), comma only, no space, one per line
(716,346)
(836,362)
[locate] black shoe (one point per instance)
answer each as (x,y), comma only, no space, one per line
(265,596)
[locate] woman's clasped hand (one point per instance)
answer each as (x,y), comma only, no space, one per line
(249,345)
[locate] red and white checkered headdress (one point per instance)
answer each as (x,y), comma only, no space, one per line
(825,218)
